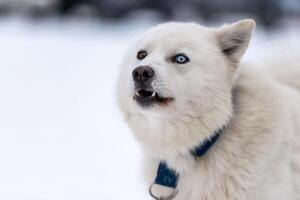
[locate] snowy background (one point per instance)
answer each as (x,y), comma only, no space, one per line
(61,135)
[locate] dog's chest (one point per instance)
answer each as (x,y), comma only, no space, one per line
(217,182)
(203,183)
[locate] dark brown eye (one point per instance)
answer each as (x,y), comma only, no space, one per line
(141,55)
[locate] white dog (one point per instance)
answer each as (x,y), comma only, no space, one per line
(212,128)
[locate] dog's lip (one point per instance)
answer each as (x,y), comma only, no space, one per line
(152,98)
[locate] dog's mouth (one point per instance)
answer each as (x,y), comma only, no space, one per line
(148,98)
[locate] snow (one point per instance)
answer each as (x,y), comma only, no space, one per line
(61,134)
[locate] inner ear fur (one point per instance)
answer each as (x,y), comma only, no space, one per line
(234,39)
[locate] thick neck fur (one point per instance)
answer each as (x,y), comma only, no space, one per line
(171,138)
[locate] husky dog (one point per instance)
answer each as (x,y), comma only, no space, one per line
(181,82)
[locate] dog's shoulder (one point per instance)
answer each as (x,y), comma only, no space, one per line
(255,88)
(260,113)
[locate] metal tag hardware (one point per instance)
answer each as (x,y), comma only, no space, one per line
(172,196)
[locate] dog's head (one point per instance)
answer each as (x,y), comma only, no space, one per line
(182,71)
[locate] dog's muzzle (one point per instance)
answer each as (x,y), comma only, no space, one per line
(144,94)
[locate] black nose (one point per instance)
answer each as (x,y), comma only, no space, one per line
(143,74)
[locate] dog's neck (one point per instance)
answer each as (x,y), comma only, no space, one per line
(161,143)
(172,139)
(168,177)
(184,161)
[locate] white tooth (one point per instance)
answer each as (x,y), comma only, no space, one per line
(137,94)
(153,94)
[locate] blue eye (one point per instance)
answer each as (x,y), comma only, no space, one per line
(181,59)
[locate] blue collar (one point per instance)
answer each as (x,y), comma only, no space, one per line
(168,177)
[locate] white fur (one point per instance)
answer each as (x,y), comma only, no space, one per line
(257,156)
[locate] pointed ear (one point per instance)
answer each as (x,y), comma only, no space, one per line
(234,39)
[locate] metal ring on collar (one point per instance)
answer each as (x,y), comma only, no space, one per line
(172,196)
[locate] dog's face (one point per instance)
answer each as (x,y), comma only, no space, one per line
(169,66)
(182,70)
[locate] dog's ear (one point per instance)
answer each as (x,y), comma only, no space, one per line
(234,39)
